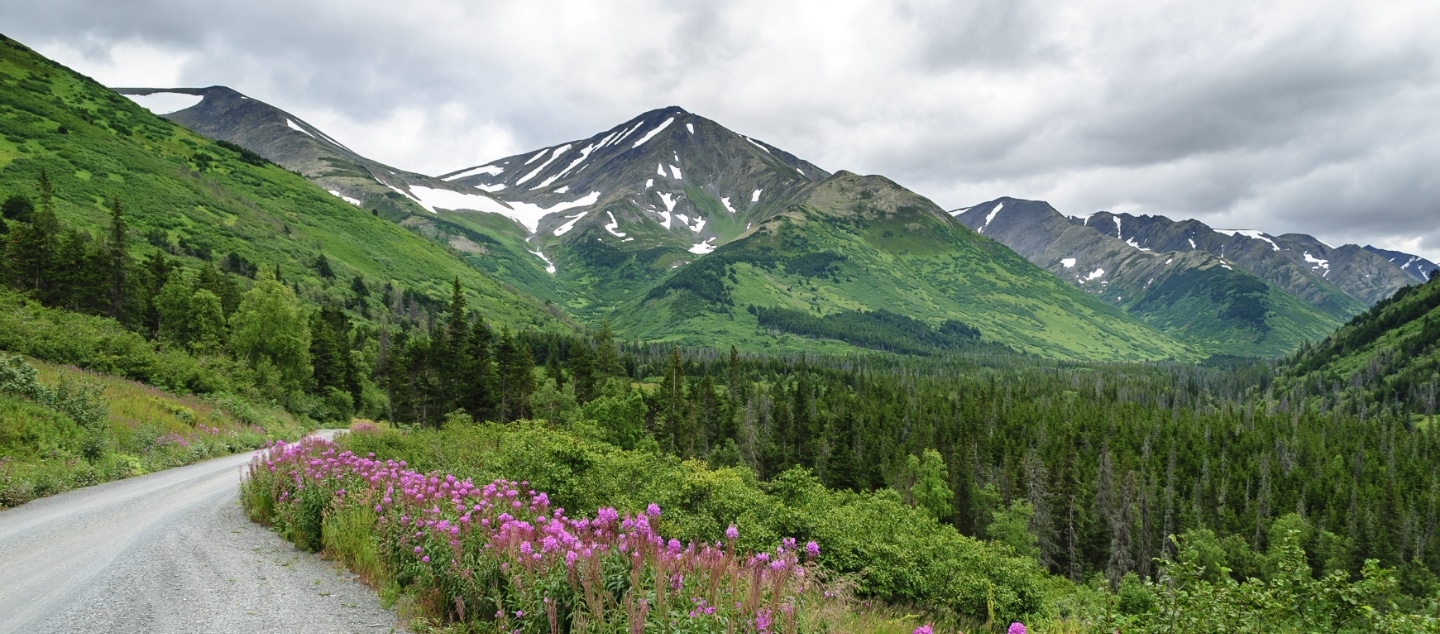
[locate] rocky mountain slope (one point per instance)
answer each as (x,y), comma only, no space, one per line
(1418,267)
(1191,295)
(1302,265)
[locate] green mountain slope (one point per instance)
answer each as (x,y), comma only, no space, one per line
(1191,295)
(862,244)
(191,197)
(1388,354)
(681,230)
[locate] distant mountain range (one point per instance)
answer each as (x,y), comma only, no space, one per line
(1217,288)
(679,229)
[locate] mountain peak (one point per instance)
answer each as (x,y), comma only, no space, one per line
(668,169)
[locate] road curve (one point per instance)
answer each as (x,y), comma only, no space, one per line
(168,552)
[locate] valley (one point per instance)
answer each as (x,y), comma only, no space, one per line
(634,379)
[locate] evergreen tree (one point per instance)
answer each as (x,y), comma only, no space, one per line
(607,359)
(117,264)
(32,251)
(582,372)
(481,381)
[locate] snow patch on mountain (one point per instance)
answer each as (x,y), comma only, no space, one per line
(757,144)
(991,216)
(558,151)
(1133,243)
(690,127)
(1117,227)
(489,170)
(527,214)
(537,156)
(614,226)
(549,266)
(669,201)
(1068,262)
(345,198)
(163,103)
(701,248)
(296,127)
(660,169)
(699,225)
(1097,273)
(651,134)
(726,201)
(755,196)
(565,228)
(584,154)
(675,170)
(1319,263)
(1258,235)
(491,188)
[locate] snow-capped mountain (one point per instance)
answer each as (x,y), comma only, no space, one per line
(224,114)
(667,176)
(1418,267)
(1301,264)
(1192,295)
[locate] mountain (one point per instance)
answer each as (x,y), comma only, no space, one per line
(854,257)
(1388,354)
(1193,296)
(679,229)
(1418,267)
(686,231)
(223,114)
(1300,264)
(196,199)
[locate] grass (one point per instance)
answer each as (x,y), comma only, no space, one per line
(43,452)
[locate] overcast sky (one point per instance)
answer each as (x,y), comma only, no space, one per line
(1314,116)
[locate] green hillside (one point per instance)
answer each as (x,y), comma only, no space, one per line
(1230,313)
(193,198)
(859,244)
(1389,354)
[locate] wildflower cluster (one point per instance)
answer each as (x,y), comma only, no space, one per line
(500,552)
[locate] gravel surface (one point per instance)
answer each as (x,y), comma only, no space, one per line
(168,552)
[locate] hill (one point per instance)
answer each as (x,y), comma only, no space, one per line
(1388,355)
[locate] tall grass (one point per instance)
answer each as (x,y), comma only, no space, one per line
(97,427)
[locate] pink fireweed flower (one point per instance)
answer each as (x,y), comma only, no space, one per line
(653,510)
(924,629)
(812,550)
(1016,628)
(732,533)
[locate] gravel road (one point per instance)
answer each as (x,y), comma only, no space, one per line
(168,552)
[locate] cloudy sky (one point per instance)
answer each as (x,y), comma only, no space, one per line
(1316,116)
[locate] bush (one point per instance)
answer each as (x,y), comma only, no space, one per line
(895,552)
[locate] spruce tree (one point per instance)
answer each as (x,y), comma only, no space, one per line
(117,262)
(607,360)
(582,372)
